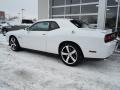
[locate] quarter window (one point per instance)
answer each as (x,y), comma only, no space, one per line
(53,25)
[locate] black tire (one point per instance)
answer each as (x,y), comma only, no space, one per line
(13,42)
(71,54)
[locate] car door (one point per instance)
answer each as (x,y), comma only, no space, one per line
(52,37)
(35,36)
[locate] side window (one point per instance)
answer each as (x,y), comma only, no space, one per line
(53,25)
(40,26)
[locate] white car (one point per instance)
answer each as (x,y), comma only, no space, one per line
(72,39)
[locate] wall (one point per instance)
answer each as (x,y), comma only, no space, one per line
(43,9)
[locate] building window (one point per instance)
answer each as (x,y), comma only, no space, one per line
(72,2)
(118,28)
(89,8)
(111,17)
(73,10)
(68,17)
(92,19)
(72,17)
(58,17)
(89,1)
(58,11)
(111,3)
(58,2)
(112,14)
(119,20)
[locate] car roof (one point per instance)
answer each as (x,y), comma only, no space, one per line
(56,19)
(60,22)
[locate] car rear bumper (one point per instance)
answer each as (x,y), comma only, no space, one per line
(104,52)
(110,48)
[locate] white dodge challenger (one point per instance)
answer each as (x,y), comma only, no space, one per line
(72,39)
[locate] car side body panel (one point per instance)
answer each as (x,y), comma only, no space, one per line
(91,41)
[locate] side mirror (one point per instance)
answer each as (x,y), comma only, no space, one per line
(26,29)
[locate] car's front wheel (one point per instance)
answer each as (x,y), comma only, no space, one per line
(14,44)
(71,54)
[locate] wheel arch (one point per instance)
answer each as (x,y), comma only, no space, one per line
(72,43)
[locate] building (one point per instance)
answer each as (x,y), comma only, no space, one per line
(2,16)
(103,13)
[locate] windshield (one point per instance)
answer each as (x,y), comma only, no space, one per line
(79,24)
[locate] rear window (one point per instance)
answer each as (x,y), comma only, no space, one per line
(79,24)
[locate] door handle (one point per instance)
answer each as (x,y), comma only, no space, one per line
(43,34)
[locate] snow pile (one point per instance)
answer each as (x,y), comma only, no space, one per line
(3,40)
(31,70)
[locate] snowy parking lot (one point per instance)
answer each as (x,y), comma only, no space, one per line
(33,70)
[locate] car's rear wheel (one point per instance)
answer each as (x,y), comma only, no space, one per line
(14,44)
(71,54)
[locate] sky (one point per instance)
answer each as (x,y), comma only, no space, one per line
(13,7)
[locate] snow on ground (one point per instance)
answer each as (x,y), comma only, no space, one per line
(32,70)
(3,40)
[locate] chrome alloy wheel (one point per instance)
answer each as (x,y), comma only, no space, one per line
(69,54)
(13,43)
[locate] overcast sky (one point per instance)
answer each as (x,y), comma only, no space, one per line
(13,7)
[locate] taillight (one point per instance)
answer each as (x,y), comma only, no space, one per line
(110,37)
